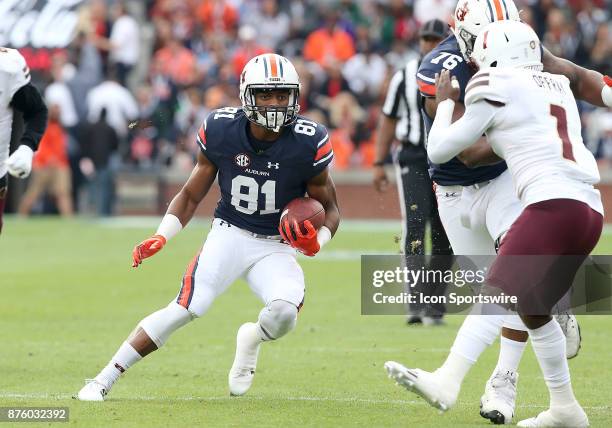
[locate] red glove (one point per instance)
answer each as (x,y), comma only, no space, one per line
(305,243)
(608,80)
(147,248)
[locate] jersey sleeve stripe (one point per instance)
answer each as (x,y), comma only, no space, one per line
(201,138)
(427,88)
(476,79)
(476,84)
(323,150)
(320,143)
(481,74)
(331,153)
(425,78)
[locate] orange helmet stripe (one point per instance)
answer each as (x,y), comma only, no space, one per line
(273,65)
(498,10)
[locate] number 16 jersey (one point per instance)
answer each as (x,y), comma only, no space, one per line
(257,184)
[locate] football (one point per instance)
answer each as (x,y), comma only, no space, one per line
(302,209)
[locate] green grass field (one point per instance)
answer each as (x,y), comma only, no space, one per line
(68,298)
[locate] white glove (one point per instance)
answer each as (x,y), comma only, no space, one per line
(20,162)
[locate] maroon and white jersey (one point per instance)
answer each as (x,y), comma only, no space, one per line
(536,128)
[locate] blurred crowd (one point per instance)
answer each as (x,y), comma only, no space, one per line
(140,77)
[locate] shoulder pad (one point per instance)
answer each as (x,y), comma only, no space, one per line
(215,125)
(17,71)
(317,137)
(486,85)
(11,60)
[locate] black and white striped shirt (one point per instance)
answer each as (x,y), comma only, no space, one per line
(402,102)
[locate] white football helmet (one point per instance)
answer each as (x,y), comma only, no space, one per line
(267,72)
(507,44)
(471,16)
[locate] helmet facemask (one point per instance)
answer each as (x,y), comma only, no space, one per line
(272,117)
(468,39)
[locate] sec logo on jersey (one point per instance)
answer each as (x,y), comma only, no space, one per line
(242,160)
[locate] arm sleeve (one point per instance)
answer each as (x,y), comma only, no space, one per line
(29,101)
(391,107)
(445,141)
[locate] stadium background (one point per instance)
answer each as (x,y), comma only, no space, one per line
(186,61)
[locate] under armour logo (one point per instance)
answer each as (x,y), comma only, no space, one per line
(275,165)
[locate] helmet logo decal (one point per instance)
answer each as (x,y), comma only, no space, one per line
(242,160)
(462,12)
(532,44)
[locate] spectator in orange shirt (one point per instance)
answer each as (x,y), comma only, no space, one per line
(177,62)
(329,43)
(50,170)
(217,16)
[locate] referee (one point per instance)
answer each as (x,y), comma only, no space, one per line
(401,118)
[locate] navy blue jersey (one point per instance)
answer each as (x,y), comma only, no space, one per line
(447,55)
(256,185)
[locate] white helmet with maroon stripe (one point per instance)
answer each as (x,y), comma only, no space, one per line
(269,72)
(507,44)
(471,16)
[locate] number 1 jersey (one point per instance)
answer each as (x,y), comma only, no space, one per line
(257,184)
(536,129)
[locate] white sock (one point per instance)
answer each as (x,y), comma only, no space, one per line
(548,344)
(455,368)
(125,358)
(510,354)
(476,333)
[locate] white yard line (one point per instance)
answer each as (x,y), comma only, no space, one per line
(64,396)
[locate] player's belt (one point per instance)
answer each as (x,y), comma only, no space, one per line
(481,184)
(221,222)
(457,187)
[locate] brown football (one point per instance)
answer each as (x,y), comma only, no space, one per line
(301,209)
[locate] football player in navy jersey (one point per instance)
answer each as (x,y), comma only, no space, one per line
(477,205)
(263,155)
